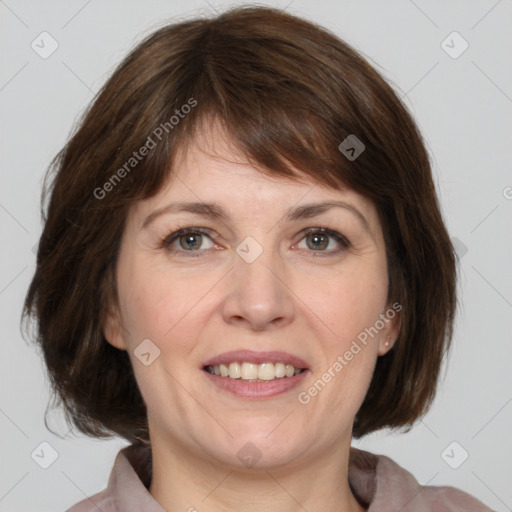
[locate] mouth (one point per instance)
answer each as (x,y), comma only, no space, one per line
(255,374)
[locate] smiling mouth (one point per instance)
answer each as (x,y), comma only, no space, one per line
(254,372)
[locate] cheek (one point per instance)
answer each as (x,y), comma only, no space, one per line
(348,302)
(153,302)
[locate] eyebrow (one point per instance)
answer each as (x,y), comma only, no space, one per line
(216,211)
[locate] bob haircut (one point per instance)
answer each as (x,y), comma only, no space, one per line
(287,92)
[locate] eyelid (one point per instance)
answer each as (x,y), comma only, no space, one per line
(339,237)
(180,231)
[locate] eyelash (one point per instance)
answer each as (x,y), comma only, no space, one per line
(194,253)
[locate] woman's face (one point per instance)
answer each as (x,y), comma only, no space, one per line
(255,282)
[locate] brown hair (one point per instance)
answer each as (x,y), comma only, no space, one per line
(288,92)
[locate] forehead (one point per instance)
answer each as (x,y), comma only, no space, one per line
(210,168)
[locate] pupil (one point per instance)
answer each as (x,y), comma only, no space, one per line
(317,242)
(189,239)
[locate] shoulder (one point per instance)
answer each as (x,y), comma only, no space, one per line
(127,488)
(391,487)
(103,501)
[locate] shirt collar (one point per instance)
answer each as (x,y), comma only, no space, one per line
(131,477)
(377,481)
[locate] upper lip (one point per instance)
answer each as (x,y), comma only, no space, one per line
(250,356)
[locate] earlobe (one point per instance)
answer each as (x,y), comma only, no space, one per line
(390,335)
(112,330)
(385,346)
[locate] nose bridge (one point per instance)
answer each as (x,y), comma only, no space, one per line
(257,265)
(258,292)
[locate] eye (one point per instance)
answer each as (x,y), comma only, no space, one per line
(189,240)
(317,239)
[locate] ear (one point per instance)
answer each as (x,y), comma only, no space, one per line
(112,328)
(388,335)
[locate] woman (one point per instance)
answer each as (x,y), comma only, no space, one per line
(243,266)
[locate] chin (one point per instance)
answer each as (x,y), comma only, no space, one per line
(244,454)
(260,446)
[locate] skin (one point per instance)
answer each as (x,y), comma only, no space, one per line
(294,297)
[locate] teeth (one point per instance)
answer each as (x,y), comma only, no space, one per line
(280,371)
(249,371)
(252,371)
(266,371)
(235,372)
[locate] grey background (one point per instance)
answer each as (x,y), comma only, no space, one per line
(464,108)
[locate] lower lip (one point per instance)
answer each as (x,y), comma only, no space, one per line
(248,389)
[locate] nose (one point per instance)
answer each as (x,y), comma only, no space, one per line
(259,296)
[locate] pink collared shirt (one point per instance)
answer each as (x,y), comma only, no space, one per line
(379,483)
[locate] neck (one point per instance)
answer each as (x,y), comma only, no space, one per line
(189,482)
